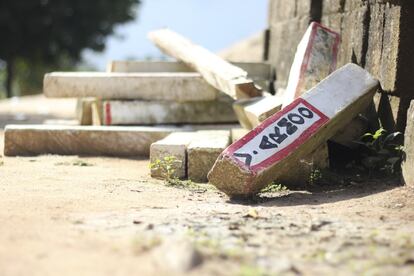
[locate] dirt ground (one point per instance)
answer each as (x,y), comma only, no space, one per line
(71,215)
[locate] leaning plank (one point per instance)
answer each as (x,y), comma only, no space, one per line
(27,140)
(179,87)
(256,71)
(163,112)
(203,152)
(315,59)
(293,133)
(216,71)
(174,148)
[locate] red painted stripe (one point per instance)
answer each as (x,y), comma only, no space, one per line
(108,117)
(287,150)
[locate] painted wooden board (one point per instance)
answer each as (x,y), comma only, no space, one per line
(224,76)
(315,59)
(179,87)
(293,133)
(256,71)
(163,112)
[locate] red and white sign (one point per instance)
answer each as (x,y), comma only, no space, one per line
(277,137)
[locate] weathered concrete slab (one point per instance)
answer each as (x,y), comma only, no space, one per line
(216,71)
(408,163)
(29,140)
(262,109)
(315,59)
(255,70)
(203,152)
(238,133)
(174,145)
(164,112)
(179,87)
(293,133)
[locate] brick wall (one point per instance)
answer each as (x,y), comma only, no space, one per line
(376,34)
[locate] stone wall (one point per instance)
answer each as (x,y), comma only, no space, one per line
(376,34)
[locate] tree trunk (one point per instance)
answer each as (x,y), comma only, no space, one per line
(9,77)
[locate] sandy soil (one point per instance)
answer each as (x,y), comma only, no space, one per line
(71,215)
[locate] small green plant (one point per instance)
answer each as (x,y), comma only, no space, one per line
(315,176)
(167,167)
(380,151)
(274,187)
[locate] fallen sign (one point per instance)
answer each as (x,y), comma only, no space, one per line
(280,142)
(219,73)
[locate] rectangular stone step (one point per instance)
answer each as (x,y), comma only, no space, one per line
(203,152)
(179,87)
(171,151)
(293,133)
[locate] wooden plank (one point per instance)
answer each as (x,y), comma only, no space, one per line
(179,87)
(280,142)
(256,71)
(216,71)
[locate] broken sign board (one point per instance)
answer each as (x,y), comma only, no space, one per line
(293,133)
(315,59)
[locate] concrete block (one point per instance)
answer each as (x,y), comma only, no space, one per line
(179,87)
(29,140)
(315,59)
(238,133)
(255,70)
(84,110)
(293,133)
(164,112)
(174,145)
(408,163)
(203,152)
(262,109)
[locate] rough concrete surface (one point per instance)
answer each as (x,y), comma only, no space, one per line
(111,218)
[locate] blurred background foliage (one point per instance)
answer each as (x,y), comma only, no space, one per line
(49,35)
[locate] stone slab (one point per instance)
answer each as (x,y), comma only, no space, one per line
(219,73)
(238,133)
(279,143)
(315,59)
(30,140)
(174,145)
(179,87)
(164,112)
(255,70)
(408,163)
(262,109)
(84,110)
(203,152)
